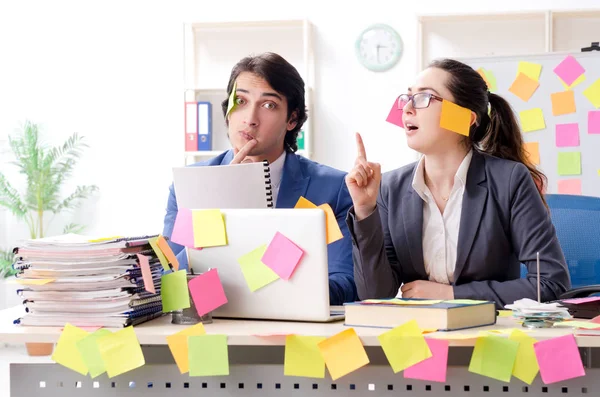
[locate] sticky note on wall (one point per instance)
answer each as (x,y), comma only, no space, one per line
(569,70)
(530,69)
(563,103)
(569,186)
(524,87)
(532,120)
(567,135)
(592,93)
(594,122)
(569,163)
(532,151)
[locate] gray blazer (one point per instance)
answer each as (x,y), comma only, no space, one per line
(503,223)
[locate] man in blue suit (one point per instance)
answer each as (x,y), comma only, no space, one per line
(264,116)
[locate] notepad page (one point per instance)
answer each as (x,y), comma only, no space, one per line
(225,186)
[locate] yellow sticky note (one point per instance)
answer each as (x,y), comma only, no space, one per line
(563,103)
(231,100)
(209,228)
(404,346)
(178,344)
(532,120)
(66,352)
(592,93)
(333,229)
(256,273)
(531,70)
(524,86)
(168,252)
(303,357)
(304,204)
(494,357)
(578,324)
(121,352)
(455,118)
(88,348)
(526,365)
(598,172)
(464,301)
(532,152)
(161,257)
(343,353)
(33,281)
(579,80)
(505,313)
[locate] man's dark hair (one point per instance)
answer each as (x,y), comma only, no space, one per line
(285,79)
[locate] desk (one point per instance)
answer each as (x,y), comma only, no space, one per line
(256,353)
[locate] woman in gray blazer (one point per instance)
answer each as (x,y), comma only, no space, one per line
(459,222)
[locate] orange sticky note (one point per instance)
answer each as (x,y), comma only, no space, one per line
(343,353)
(532,152)
(333,229)
(524,86)
(178,344)
(455,118)
(563,103)
(166,249)
(304,203)
(33,281)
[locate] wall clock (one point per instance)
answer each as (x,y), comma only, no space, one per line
(379,47)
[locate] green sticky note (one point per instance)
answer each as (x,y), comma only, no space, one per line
(231,100)
(526,365)
(494,357)
(464,301)
(404,346)
(532,120)
(121,352)
(303,357)
(88,348)
(161,257)
(66,352)
(174,291)
(491,78)
(208,355)
(256,273)
(569,163)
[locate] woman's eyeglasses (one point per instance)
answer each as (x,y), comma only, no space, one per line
(420,100)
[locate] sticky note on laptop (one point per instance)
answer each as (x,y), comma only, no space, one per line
(183,229)
(334,233)
(209,228)
(256,273)
(282,256)
(207,292)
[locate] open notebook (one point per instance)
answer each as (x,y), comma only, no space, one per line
(245,185)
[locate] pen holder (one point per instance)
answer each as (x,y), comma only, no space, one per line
(190,315)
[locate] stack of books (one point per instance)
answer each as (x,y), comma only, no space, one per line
(88,283)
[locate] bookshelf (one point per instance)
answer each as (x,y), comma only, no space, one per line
(212,49)
(494,34)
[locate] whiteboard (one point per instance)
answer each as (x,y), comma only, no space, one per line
(505,70)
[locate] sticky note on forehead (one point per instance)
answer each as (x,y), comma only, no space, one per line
(455,118)
(231,101)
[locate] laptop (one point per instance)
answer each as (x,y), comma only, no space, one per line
(303,297)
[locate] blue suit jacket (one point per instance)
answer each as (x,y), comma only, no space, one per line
(316,182)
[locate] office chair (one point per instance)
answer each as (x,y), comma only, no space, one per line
(577,223)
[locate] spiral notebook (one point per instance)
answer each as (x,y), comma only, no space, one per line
(245,185)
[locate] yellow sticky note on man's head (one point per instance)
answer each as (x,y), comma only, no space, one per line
(231,101)
(455,118)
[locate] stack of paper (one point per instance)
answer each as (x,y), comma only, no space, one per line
(88,283)
(533,312)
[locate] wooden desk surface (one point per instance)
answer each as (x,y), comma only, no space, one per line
(257,333)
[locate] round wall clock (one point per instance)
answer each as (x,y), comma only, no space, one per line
(379,47)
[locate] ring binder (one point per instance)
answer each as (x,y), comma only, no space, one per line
(268,186)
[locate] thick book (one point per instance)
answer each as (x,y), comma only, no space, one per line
(246,185)
(441,315)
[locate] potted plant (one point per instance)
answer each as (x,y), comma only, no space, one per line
(45,170)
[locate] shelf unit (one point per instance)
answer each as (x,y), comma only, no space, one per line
(494,34)
(212,49)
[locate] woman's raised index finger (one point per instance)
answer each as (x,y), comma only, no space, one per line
(361,147)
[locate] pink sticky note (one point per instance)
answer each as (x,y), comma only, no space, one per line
(595,320)
(559,359)
(569,186)
(395,116)
(207,292)
(146,273)
(282,256)
(577,301)
(567,135)
(183,230)
(594,122)
(433,368)
(569,70)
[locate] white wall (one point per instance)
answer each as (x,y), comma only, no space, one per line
(113,71)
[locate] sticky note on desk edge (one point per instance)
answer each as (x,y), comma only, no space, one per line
(303,357)
(526,366)
(66,353)
(178,345)
(433,368)
(90,353)
(208,355)
(494,357)
(559,359)
(404,346)
(121,352)
(343,353)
